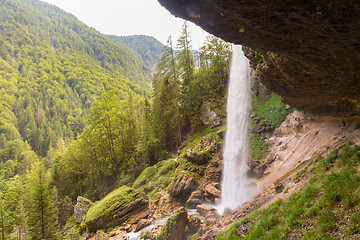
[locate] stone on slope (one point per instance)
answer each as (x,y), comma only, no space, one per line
(212,190)
(205,210)
(183,187)
(121,205)
(195,199)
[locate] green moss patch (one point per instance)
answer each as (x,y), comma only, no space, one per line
(156,178)
(271,112)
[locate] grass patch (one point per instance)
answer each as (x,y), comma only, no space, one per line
(258,147)
(272,111)
(312,212)
(71,230)
(354,226)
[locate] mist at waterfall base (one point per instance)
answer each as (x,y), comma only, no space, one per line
(234,184)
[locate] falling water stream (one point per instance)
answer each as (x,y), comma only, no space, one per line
(234,185)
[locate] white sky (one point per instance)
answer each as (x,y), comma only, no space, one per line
(130,17)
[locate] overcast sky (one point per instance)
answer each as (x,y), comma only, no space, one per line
(130,17)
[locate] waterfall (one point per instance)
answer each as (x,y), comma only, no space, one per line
(234,186)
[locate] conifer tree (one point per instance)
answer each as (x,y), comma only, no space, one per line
(147,148)
(190,98)
(41,212)
(7,206)
(166,100)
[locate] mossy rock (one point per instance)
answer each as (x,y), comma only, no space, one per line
(174,228)
(123,204)
(156,178)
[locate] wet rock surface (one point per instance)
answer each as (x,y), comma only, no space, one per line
(196,198)
(311,53)
(279,187)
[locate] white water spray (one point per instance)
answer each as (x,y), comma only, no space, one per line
(234,185)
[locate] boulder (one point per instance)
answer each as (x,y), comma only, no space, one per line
(195,199)
(205,210)
(212,190)
(259,170)
(256,169)
(142,224)
(207,116)
(174,227)
(122,205)
(279,187)
(100,235)
(81,208)
(252,164)
(183,187)
(202,158)
(193,225)
(221,134)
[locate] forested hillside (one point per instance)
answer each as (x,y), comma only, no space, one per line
(52,69)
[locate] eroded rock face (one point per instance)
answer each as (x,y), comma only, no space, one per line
(183,187)
(81,208)
(308,52)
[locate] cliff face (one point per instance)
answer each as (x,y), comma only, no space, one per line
(308,52)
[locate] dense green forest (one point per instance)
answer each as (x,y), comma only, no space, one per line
(53,68)
(77,116)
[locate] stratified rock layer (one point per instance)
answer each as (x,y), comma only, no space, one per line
(308,52)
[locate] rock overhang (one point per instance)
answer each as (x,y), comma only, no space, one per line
(306,51)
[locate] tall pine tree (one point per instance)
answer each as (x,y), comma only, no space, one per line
(166,101)
(190,98)
(41,212)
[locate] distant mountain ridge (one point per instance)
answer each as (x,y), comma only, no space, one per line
(149,48)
